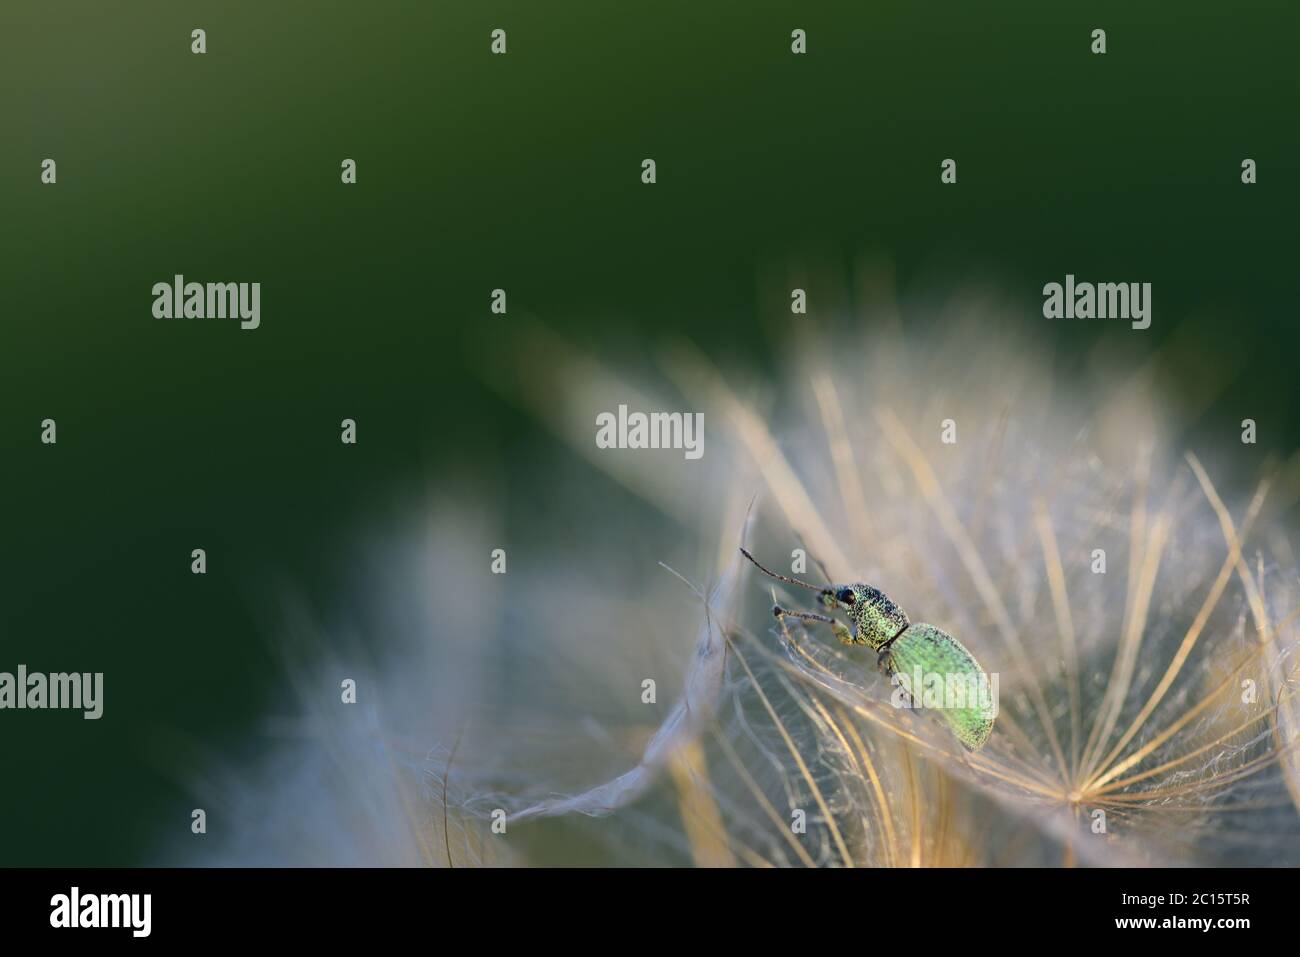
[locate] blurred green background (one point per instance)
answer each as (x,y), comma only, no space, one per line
(522,171)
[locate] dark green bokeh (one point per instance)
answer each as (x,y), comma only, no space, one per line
(519,171)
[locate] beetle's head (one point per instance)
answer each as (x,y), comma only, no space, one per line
(876,619)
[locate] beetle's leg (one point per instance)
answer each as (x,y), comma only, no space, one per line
(885,665)
(840,630)
(885,660)
(779,612)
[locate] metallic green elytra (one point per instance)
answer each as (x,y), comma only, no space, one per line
(928,667)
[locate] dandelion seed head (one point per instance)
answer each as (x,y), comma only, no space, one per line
(1121,597)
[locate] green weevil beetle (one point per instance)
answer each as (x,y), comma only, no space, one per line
(903,647)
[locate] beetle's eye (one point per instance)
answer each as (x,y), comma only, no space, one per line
(846,595)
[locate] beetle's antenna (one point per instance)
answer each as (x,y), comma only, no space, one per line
(783,578)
